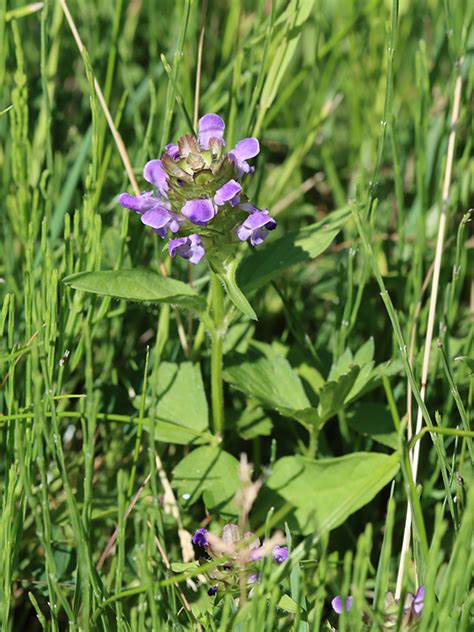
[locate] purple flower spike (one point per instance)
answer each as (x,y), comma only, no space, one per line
(245,149)
(337,604)
(256,227)
(199,212)
(154,173)
(210,126)
(200,535)
(419,601)
(228,193)
(189,248)
(212,590)
(172,150)
(280,554)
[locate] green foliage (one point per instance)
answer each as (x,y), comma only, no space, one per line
(212,473)
(128,397)
(137,285)
(326,491)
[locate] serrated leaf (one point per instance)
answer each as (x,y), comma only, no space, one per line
(211,473)
(325,492)
(137,285)
(270,260)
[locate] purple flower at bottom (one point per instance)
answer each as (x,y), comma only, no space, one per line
(256,554)
(280,554)
(200,537)
(256,227)
(419,600)
(189,248)
(338,606)
(212,590)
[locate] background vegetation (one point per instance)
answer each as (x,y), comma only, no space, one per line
(352,103)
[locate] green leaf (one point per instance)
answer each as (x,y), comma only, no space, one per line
(137,285)
(226,271)
(294,247)
(268,378)
(375,421)
(183,567)
(288,604)
(333,394)
(254,422)
(212,473)
(325,492)
(469,362)
(182,403)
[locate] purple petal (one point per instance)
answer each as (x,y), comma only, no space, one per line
(260,219)
(199,212)
(245,149)
(337,605)
(139,204)
(156,217)
(172,150)
(229,192)
(256,227)
(280,554)
(154,173)
(212,590)
(189,248)
(200,535)
(210,126)
(418,603)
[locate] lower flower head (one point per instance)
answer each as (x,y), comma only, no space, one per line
(280,554)
(200,537)
(338,606)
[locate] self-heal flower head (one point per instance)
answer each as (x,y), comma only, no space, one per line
(198,195)
(200,537)
(338,606)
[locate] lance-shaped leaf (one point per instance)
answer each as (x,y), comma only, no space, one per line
(137,285)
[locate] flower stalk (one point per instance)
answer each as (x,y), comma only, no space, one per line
(217,334)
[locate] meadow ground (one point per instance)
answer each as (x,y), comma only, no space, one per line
(315,390)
